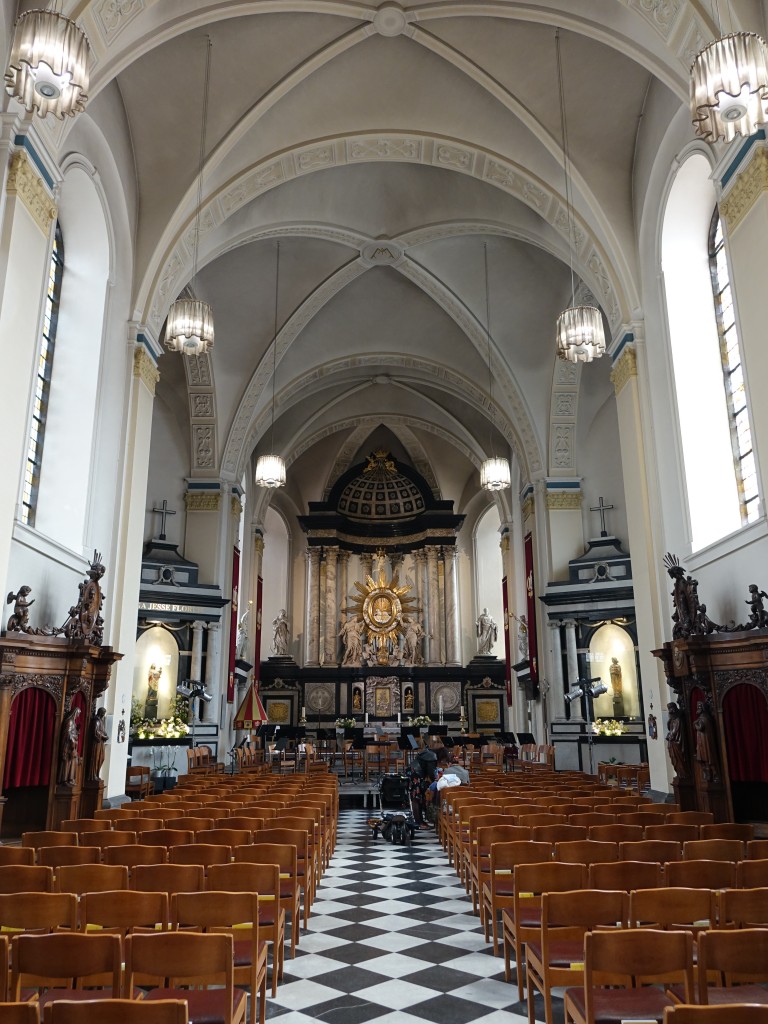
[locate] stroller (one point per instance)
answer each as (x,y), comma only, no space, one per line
(396,822)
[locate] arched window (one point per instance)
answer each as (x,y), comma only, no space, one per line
(43,382)
(733,375)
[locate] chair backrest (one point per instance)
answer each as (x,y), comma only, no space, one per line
(116,813)
(241,821)
(586,851)
(107,839)
(636,955)
(133,854)
(167,837)
(169,878)
(541,818)
(38,911)
(81,825)
(16,855)
(643,818)
(752,874)
(231,837)
(616,833)
(590,818)
(124,911)
(701,874)
(217,911)
(65,959)
(58,856)
(505,856)
(714,849)
(691,818)
(672,907)
(283,854)
(744,908)
(80,878)
(659,850)
(757,849)
(728,830)
(558,833)
(116,1011)
(625,874)
(673,833)
(48,838)
(738,955)
(199,853)
(25,878)
(19,1013)
(184,956)
(581,910)
(261,878)
(138,826)
(736,1014)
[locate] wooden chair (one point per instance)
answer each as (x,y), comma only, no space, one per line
(231,837)
(168,878)
(673,833)
(36,840)
(83,825)
(235,914)
(737,1014)
(304,861)
(116,1011)
(285,856)
(19,1013)
(124,911)
(552,957)
(61,965)
(138,782)
(103,840)
(738,957)
(80,878)
(498,891)
(468,842)
(263,879)
(743,908)
(752,874)
(701,874)
(522,922)
(630,957)
(590,818)
(25,878)
(643,818)
(757,849)
(714,849)
(167,837)
(691,818)
(626,874)
(728,830)
(205,854)
(16,855)
(484,837)
(138,826)
(190,957)
(672,907)
(58,856)
(662,851)
(41,912)
(134,854)
(116,813)
(615,833)
(586,851)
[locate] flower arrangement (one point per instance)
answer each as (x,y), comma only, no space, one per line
(345,723)
(608,727)
(420,720)
(165,729)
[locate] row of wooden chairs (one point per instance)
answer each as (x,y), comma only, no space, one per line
(98,1011)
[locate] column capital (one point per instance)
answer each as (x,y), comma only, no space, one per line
(747,185)
(213,627)
(449,552)
(313,555)
(258,544)
(25,182)
(144,369)
(624,369)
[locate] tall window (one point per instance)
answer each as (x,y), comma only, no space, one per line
(43,382)
(733,375)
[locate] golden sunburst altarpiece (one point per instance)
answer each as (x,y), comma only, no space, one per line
(381,604)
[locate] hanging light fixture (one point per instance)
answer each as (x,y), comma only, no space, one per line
(494,472)
(270,469)
(580,334)
(189,328)
(729,87)
(48,69)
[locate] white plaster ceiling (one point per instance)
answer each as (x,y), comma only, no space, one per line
(429,129)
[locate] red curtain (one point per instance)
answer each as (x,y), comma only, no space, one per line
(745,720)
(30,739)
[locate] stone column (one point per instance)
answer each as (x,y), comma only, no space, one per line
(366,563)
(196,662)
(211,661)
(434,605)
(331,606)
(451,607)
(572,660)
(254,617)
(343,580)
(556,694)
(312,608)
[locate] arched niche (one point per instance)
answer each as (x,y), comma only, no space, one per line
(611,646)
(156,651)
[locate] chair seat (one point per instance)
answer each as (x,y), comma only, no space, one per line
(529,918)
(75,995)
(612,1006)
(243,952)
(206,1006)
(561,954)
(717,996)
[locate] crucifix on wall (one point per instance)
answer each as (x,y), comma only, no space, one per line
(164,512)
(602,509)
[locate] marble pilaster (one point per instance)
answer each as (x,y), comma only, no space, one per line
(572,661)
(451,607)
(312,623)
(211,661)
(196,664)
(433,589)
(331,606)
(556,695)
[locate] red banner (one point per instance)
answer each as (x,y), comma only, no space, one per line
(530,591)
(233,620)
(507,646)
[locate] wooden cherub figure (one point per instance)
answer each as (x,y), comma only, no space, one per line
(758,616)
(19,620)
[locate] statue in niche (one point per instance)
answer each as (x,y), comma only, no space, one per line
(68,758)
(351,634)
(121,730)
(616,685)
(413,634)
(99,738)
(280,634)
(706,744)
(758,616)
(408,699)
(487,632)
(675,740)
(153,680)
(357,700)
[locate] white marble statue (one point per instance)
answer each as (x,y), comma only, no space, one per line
(351,634)
(487,632)
(413,634)
(280,634)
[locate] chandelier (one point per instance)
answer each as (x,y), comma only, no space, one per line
(189,328)
(580,334)
(48,69)
(729,87)
(494,471)
(270,469)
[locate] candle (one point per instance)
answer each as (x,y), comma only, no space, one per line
(366,718)
(463,715)
(399,720)
(303,712)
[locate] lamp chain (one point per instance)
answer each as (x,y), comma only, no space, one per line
(203,126)
(488,339)
(274,349)
(568,187)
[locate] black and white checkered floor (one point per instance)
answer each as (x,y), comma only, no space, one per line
(392,938)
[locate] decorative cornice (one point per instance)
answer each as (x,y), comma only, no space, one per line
(145,370)
(26,183)
(528,507)
(747,187)
(202,501)
(624,368)
(564,500)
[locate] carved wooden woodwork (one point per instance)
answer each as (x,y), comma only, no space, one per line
(712,664)
(62,668)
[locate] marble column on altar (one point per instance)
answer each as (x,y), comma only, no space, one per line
(451,607)
(366,564)
(419,562)
(343,579)
(556,695)
(434,605)
(331,606)
(396,562)
(312,614)
(211,661)
(572,661)
(196,663)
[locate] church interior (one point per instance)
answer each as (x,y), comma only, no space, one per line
(374,366)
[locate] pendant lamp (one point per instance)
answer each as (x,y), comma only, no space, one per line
(189,328)
(270,469)
(729,87)
(580,334)
(494,471)
(48,69)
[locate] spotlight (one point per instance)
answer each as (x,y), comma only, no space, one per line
(575,693)
(598,689)
(189,689)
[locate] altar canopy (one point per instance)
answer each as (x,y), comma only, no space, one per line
(251,712)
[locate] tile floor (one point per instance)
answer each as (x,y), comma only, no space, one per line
(392,938)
